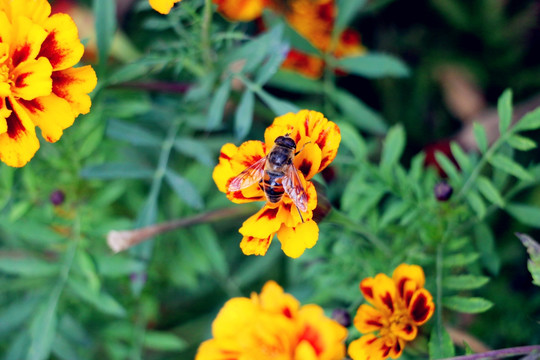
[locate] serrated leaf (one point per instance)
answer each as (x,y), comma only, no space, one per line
(448,167)
(485,243)
(464,282)
(374,65)
(394,211)
(525,214)
(530,121)
(480,137)
(163,341)
(353,140)
(521,142)
(184,189)
(440,344)
(117,171)
(476,203)
(358,113)
(278,106)
(393,147)
(217,105)
(459,260)
(461,157)
(510,166)
(472,305)
(504,108)
(244,115)
(486,188)
(132,133)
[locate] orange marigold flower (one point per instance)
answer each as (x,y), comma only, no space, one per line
(317,141)
(163,6)
(274,326)
(241,10)
(38,84)
(398,306)
(308,65)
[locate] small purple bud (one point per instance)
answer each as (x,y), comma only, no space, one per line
(342,316)
(443,191)
(57,197)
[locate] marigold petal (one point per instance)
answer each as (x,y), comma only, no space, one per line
(291,213)
(27,39)
(19,143)
(308,161)
(36,10)
(163,6)
(223,170)
(74,85)
(264,223)
(406,272)
(273,299)
(307,65)
(240,10)
(384,294)
(295,240)
(217,349)
(32,79)
(236,315)
(404,330)
(421,307)
(254,246)
(365,348)
(369,319)
(6,33)
(51,114)
(62,46)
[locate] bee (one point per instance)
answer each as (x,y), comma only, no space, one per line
(276,175)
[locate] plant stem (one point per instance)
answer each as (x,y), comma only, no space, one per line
(205,34)
(439,279)
(501,353)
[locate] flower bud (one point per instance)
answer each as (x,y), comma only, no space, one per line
(342,316)
(57,197)
(443,191)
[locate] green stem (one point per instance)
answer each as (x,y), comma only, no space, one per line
(205,34)
(439,280)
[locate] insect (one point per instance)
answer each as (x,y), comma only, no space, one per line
(275,174)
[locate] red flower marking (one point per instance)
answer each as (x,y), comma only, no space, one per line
(14,124)
(408,329)
(224,156)
(312,337)
(401,286)
(270,213)
(51,50)
(387,300)
(60,83)
(371,341)
(368,290)
(420,310)
(19,82)
(32,105)
(287,312)
(374,323)
(19,55)
(305,167)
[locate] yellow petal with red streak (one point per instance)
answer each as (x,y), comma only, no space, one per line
(295,240)
(384,294)
(26,42)
(255,246)
(163,6)
(35,10)
(51,114)
(273,299)
(74,85)
(421,307)
(263,223)
(365,348)
(19,143)
(62,46)
(223,170)
(406,272)
(32,79)
(369,319)
(308,161)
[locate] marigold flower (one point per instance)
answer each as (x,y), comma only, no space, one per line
(274,326)
(163,6)
(38,84)
(317,141)
(241,10)
(398,306)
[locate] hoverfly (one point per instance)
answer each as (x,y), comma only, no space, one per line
(276,174)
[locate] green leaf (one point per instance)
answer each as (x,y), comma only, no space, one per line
(132,133)
(163,341)
(393,147)
(43,332)
(184,189)
(461,157)
(213,250)
(105,15)
(373,65)
(448,166)
(217,105)
(278,106)
(353,140)
(194,148)
(272,65)
(464,282)
(458,260)
(28,266)
(530,121)
(298,42)
(521,143)
(393,212)
(117,171)
(485,243)
(244,115)
(347,11)
(504,108)
(135,70)
(486,188)
(480,137)
(533,248)
(440,344)
(358,113)
(14,315)
(292,81)
(510,166)
(525,214)
(476,203)
(472,305)
(117,265)
(99,299)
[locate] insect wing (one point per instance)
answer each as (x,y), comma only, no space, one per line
(251,175)
(293,187)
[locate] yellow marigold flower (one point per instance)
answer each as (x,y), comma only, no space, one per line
(273,326)
(241,10)
(317,141)
(163,6)
(398,306)
(38,84)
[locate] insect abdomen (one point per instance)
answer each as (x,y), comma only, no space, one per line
(271,185)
